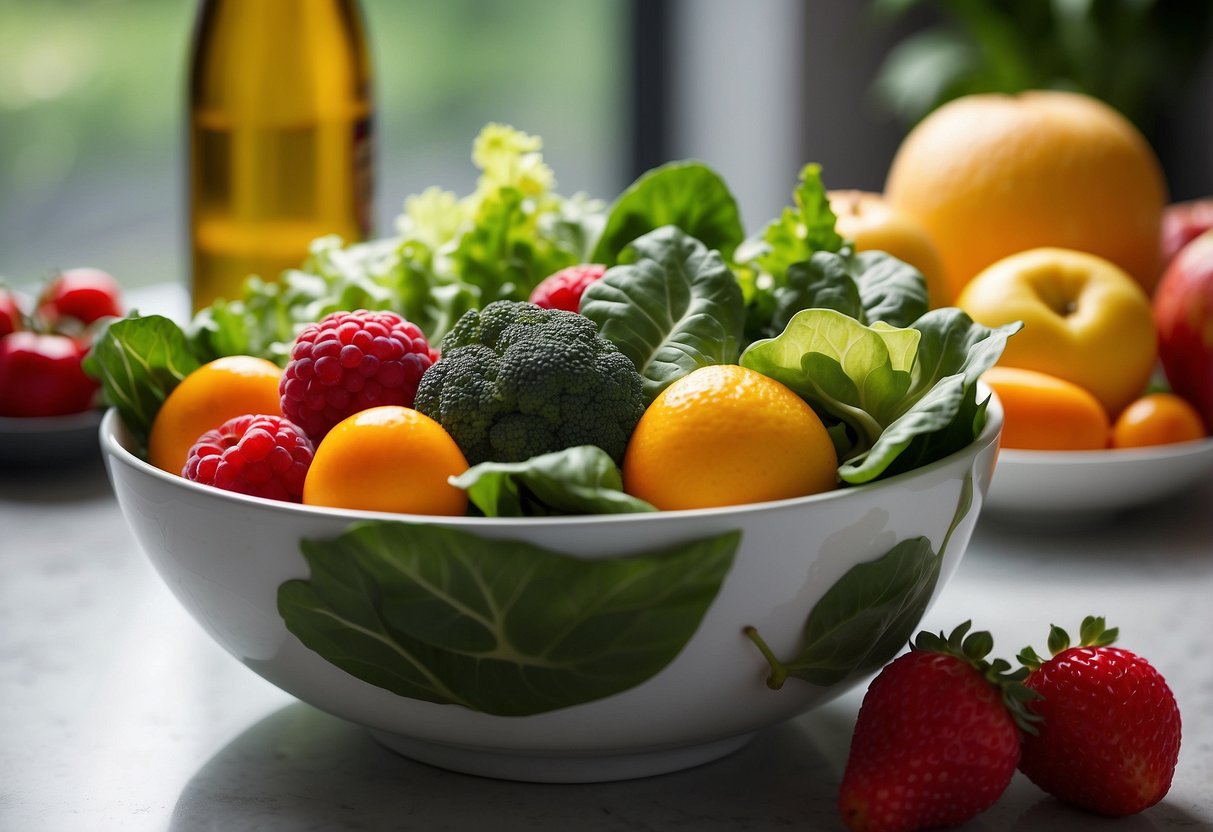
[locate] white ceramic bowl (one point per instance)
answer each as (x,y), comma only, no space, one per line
(1060,487)
(225,556)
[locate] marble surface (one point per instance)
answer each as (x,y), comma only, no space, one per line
(117,711)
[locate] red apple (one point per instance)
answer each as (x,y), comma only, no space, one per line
(40,375)
(10,312)
(1183,222)
(83,294)
(1183,314)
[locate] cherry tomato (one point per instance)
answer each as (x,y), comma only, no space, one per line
(10,313)
(40,375)
(1157,419)
(84,294)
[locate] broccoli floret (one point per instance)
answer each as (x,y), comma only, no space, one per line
(516,381)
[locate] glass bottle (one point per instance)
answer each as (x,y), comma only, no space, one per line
(280,137)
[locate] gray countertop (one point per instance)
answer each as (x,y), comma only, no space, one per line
(118,712)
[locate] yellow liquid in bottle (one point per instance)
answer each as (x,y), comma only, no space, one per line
(280,137)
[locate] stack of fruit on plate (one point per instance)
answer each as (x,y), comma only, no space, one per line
(1050,208)
(43,344)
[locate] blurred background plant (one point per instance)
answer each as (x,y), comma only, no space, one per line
(92,119)
(1137,55)
(92,98)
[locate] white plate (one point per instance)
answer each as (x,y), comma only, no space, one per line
(1060,484)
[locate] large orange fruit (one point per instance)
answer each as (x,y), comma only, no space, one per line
(726,435)
(387,458)
(231,386)
(990,175)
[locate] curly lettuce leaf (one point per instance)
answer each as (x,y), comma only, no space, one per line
(801,230)
(579,480)
(898,391)
(794,237)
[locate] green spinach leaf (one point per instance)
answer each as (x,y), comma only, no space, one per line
(854,373)
(940,413)
(139,360)
(498,626)
(897,390)
(688,195)
(579,480)
(869,286)
(676,308)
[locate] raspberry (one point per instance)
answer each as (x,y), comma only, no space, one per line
(351,361)
(563,289)
(265,456)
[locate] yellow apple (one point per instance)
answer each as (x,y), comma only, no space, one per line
(872,224)
(1085,320)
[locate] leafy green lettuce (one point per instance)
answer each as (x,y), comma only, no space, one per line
(675,308)
(451,254)
(579,480)
(896,392)
(687,195)
(139,360)
(763,261)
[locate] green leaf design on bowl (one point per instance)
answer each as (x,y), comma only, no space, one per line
(869,614)
(499,626)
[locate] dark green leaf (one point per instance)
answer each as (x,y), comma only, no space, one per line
(675,309)
(498,626)
(688,195)
(823,281)
(139,360)
(890,290)
(578,480)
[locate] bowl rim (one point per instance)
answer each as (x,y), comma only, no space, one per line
(113,448)
(1108,456)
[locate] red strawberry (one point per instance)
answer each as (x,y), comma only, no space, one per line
(937,737)
(1109,737)
(563,289)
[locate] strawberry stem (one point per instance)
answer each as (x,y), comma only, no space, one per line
(1093,632)
(974,648)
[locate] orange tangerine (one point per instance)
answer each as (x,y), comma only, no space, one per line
(388,458)
(726,435)
(1045,413)
(235,385)
(1157,419)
